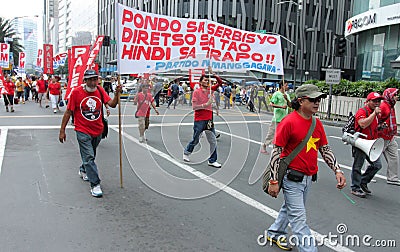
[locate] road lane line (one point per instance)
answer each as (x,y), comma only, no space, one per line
(234,193)
(3,140)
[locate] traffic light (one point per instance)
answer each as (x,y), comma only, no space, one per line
(292,60)
(340,46)
(106,41)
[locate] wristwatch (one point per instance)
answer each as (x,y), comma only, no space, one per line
(338,170)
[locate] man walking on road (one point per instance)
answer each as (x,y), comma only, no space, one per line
(86,103)
(202,105)
(301,170)
(366,122)
(280,101)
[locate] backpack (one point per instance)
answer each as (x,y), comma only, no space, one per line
(349,127)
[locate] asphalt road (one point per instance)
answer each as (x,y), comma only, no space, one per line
(166,204)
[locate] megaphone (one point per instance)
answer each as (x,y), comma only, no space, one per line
(373,148)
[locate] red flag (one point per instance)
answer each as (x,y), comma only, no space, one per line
(21,61)
(93,53)
(39,58)
(78,56)
(2,82)
(48,59)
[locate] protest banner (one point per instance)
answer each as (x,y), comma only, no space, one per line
(48,59)
(4,55)
(77,65)
(151,43)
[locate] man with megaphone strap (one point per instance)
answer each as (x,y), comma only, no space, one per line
(366,122)
(387,131)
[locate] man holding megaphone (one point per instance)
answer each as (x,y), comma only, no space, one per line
(366,123)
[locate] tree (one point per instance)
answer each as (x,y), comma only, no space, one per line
(6,31)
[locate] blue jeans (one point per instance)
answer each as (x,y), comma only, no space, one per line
(356,177)
(198,127)
(293,211)
(87,148)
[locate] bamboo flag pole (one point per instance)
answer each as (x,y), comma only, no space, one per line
(120,134)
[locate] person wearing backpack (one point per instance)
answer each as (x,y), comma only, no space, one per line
(366,122)
(174,93)
(387,131)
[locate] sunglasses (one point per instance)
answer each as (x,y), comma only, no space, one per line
(314,100)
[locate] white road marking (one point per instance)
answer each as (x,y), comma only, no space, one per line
(236,194)
(3,140)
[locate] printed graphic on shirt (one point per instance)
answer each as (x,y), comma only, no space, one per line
(90,108)
(311,143)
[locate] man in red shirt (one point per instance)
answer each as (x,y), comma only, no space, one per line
(297,181)
(54,90)
(202,105)
(8,94)
(388,129)
(41,89)
(366,122)
(144,99)
(86,103)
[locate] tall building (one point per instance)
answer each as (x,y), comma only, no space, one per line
(67,21)
(26,29)
(375,25)
(315,23)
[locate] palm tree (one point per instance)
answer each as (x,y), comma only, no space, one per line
(6,31)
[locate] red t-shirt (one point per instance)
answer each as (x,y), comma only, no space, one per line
(201,96)
(145,102)
(54,88)
(289,133)
(41,86)
(371,131)
(391,130)
(9,87)
(87,109)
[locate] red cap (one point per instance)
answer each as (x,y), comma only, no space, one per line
(374,96)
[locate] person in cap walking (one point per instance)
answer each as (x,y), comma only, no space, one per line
(86,104)
(366,122)
(296,183)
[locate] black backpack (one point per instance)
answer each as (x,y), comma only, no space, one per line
(349,127)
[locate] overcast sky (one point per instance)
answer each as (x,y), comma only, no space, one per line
(18,8)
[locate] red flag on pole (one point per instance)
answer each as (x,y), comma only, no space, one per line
(48,59)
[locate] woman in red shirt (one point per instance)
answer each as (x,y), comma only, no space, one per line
(54,91)
(8,93)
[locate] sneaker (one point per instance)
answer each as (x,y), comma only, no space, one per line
(281,243)
(12,110)
(364,187)
(47,106)
(186,158)
(141,139)
(393,182)
(55,111)
(7,109)
(214,164)
(358,193)
(96,191)
(264,151)
(83,175)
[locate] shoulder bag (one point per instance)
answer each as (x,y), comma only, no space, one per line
(285,161)
(104,120)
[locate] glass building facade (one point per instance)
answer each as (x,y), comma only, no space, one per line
(379,45)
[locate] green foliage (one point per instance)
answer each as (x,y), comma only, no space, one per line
(6,31)
(359,88)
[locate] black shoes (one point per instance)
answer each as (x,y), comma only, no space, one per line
(359,193)
(364,187)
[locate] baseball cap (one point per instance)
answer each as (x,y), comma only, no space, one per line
(310,91)
(89,74)
(374,96)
